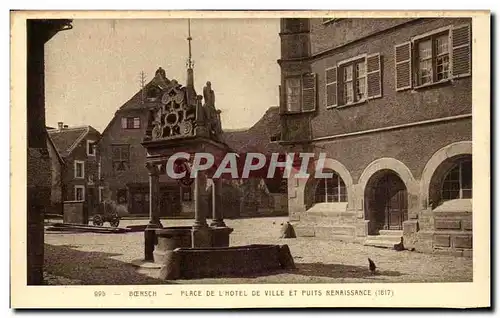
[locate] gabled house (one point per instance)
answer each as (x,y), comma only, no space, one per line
(123,157)
(80,175)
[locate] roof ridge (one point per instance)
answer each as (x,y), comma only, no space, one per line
(56,130)
(55,148)
(78,140)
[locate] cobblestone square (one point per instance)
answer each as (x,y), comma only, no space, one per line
(103,259)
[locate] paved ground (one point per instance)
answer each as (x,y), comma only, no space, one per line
(86,258)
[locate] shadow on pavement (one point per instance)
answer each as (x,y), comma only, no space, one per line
(338,271)
(93,268)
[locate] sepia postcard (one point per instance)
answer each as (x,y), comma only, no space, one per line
(250,159)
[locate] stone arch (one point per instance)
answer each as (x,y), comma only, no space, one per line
(387,164)
(441,156)
(341,170)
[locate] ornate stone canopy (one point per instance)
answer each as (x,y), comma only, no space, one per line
(181,114)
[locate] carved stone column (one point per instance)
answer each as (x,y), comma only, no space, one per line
(154,211)
(217,212)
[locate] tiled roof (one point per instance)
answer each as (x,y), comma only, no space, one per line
(64,140)
(258,137)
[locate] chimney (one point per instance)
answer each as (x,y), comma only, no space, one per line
(60,125)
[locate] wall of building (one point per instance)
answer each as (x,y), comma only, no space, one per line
(91,170)
(325,36)
(394,107)
(136,171)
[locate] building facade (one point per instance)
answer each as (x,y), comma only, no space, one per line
(389,102)
(125,175)
(80,179)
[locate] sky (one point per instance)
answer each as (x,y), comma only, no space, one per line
(94,68)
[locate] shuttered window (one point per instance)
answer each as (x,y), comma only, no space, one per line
(403,66)
(309,92)
(331,87)
(461,50)
(300,93)
(374,76)
(131,122)
(354,81)
(434,57)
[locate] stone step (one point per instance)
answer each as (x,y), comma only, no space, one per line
(385,238)
(398,233)
(380,243)
(336,232)
(327,221)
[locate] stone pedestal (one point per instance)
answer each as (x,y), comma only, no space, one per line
(170,238)
(220,236)
(149,242)
(201,237)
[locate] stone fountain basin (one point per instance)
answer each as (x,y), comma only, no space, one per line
(172,237)
(254,259)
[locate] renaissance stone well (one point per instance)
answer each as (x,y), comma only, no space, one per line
(181,123)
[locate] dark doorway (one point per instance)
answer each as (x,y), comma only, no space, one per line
(170,201)
(386,200)
(169,197)
(140,203)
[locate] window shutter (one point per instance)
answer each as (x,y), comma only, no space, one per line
(374,76)
(331,87)
(403,66)
(309,92)
(461,51)
(124,122)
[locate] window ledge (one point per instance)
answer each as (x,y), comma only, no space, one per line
(443,82)
(348,105)
(455,205)
(298,112)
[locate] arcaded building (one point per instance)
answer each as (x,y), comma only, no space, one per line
(389,101)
